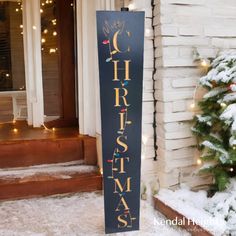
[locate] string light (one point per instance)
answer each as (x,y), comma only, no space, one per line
(131,6)
(148,32)
(54,33)
(43,40)
(204,63)
(15,130)
(34,27)
(199,162)
(45,31)
(52,50)
(223,105)
(14,122)
(144,139)
(53,129)
(41,10)
(54,21)
(231,169)
(21,26)
(17,9)
(192,106)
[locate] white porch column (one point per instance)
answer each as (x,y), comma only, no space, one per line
(88,84)
(33,62)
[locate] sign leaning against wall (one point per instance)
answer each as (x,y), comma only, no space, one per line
(120,50)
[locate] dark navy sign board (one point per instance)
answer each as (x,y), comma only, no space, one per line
(120,50)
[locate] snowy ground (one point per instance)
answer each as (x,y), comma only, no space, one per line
(216,214)
(71,215)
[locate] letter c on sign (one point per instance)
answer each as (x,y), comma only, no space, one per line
(115,41)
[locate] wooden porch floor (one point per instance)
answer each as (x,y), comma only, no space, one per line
(21,131)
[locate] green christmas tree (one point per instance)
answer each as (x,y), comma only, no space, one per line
(215,127)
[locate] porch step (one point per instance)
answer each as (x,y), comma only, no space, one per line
(44,180)
(27,146)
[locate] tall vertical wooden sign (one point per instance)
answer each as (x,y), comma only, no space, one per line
(120,49)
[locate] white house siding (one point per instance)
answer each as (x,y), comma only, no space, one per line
(180,25)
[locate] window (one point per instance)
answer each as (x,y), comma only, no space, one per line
(12,73)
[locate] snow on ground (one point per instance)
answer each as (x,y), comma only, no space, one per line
(216,214)
(71,215)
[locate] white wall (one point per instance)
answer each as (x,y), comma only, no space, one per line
(148,167)
(180,25)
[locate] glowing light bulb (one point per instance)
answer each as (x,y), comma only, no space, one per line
(204,63)
(223,105)
(34,27)
(7,75)
(54,21)
(231,169)
(45,31)
(41,10)
(147,32)
(144,139)
(17,9)
(131,6)
(43,40)
(53,129)
(52,50)
(199,161)
(54,33)
(15,130)
(21,26)
(192,105)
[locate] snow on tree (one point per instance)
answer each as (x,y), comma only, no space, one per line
(215,127)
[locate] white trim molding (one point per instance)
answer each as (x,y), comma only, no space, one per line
(88,82)
(33,62)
